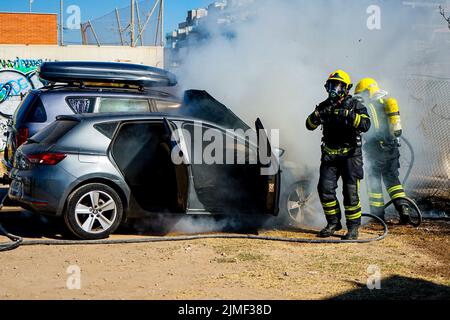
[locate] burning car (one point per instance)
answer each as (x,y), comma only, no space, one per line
(97,170)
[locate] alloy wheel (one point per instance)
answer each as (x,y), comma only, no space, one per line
(95,212)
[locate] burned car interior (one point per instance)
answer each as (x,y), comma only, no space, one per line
(141,150)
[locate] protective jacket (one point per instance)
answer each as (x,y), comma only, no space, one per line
(340,132)
(382,150)
(342,125)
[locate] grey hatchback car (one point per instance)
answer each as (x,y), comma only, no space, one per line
(87,87)
(97,170)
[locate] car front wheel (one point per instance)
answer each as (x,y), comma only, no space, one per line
(298,203)
(93,211)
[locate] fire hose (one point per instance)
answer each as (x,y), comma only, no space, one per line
(17,241)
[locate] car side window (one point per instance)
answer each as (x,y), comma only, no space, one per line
(123,105)
(81,104)
(167,106)
(37,112)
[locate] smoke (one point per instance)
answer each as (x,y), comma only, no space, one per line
(273,61)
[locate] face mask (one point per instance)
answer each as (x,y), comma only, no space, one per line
(335,89)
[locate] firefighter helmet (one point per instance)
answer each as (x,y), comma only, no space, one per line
(338,84)
(369,85)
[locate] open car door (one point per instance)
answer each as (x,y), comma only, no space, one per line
(270,172)
(181,169)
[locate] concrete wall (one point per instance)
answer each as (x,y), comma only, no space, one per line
(28,28)
(151,56)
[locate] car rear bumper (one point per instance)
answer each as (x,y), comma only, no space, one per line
(40,189)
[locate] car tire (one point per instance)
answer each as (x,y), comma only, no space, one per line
(93,211)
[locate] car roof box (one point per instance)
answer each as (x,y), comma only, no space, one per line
(103,73)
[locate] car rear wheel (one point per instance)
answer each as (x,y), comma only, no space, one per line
(94,211)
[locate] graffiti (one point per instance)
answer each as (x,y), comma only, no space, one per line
(22,65)
(17,77)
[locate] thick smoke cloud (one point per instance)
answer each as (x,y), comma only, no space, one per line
(273,63)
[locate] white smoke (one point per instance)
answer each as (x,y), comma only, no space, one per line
(280,53)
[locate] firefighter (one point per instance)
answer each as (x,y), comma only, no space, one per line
(343,118)
(382,149)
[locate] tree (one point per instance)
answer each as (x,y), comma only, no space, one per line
(442,11)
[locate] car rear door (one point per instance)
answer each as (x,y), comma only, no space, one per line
(142,151)
(270,172)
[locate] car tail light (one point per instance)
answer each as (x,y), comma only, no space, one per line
(46,158)
(22,136)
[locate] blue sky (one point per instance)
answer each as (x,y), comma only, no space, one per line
(175,10)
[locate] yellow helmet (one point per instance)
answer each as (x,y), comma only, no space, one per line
(332,84)
(368,84)
(340,75)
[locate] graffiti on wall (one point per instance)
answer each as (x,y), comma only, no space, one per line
(17,77)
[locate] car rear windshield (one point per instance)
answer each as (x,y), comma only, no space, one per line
(54,131)
(23,108)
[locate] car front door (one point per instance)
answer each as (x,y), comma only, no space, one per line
(232,182)
(270,172)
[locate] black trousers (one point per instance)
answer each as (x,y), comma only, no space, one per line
(349,167)
(383,165)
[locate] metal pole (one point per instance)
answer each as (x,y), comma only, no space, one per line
(139,23)
(119,25)
(132,23)
(94,33)
(61,22)
(163,38)
(30,2)
(158,25)
(148,18)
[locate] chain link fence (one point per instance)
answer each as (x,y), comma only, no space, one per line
(115,27)
(430,177)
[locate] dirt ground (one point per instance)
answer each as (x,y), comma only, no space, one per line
(413,264)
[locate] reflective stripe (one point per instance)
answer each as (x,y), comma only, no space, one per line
(312,125)
(336,151)
(395,188)
(329,204)
(365,116)
(332,212)
(376,204)
(358,206)
(392,114)
(398,195)
(376,195)
(375,116)
(357,121)
(354,216)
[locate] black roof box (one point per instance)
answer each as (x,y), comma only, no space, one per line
(106,72)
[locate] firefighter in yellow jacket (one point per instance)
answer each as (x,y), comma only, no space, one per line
(343,119)
(382,149)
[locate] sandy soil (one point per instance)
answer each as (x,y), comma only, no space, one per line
(413,263)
